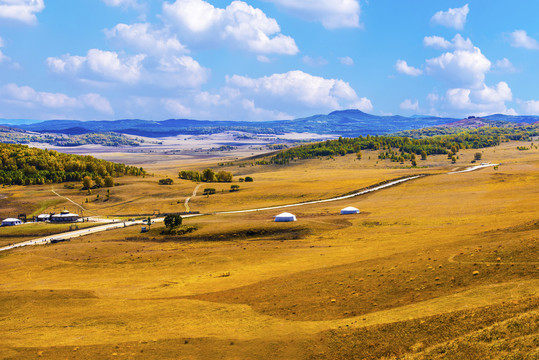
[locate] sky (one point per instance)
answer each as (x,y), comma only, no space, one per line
(266,59)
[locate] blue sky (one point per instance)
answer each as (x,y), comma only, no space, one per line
(266,59)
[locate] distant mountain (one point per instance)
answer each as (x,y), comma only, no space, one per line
(349,123)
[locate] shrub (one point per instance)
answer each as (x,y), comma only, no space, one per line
(166,181)
(248,179)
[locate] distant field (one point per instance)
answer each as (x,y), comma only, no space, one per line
(445,266)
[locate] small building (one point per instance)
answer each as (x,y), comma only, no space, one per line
(64,217)
(349,210)
(43,217)
(11,222)
(285,217)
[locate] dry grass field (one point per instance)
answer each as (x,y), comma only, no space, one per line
(442,267)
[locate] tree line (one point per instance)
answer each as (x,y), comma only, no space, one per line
(207,175)
(23,165)
(400,148)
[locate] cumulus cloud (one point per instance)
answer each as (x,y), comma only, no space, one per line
(298,89)
(109,66)
(21,10)
(453,18)
(141,37)
(409,105)
(458,43)
(239,25)
(504,65)
(465,68)
(332,14)
(403,68)
(520,39)
(27,97)
(347,60)
(530,107)
(484,101)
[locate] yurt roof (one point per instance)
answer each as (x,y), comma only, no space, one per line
(285,214)
(10,220)
(350,208)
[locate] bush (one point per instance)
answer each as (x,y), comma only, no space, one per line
(166,181)
(248,179)
(209,191)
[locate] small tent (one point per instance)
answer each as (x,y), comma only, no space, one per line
(349,210)
(285,217)
(11,222)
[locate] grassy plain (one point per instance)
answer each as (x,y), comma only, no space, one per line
(445,266)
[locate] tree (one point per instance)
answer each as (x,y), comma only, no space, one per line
(234,187)
(87,183)
(423,155)
(99,181)
(208,175)
(149,221)
(478,156)
(109,181)
(209,191)
(172,221)
(248,179)
(224,176)
(358,155)
(167,181)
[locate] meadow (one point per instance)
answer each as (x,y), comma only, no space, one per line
(444,266)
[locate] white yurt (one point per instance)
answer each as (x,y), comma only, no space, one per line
(349,210)
(285,217)
(11,222)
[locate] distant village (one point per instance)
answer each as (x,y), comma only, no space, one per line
(63,217)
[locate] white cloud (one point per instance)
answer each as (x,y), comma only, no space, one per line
(27,97)
(175,107)
(520,39)
(409,105)
(454,18)
(484,101)
(332,14)
(263,58)
(465,68)
(97,102)
(239,25)
(403,68)
(347,60)
(458,43)
(363,104)
(126,4)
(319,61)
(504,65)
(530,107)
(21,10)
(107,66)
(142,37)
(296,89)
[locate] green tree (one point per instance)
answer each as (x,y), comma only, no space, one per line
(87,182)
(423,155)
(234,187)
(172,221)
(478,156)
(208,175)
(99,181)
(248,179)
(358,155)
(109,181)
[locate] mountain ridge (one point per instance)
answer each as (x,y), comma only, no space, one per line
(348,123)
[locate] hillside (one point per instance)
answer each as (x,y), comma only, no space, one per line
(347,123)
(22,165)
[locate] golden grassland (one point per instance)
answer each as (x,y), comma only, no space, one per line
(445,266)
